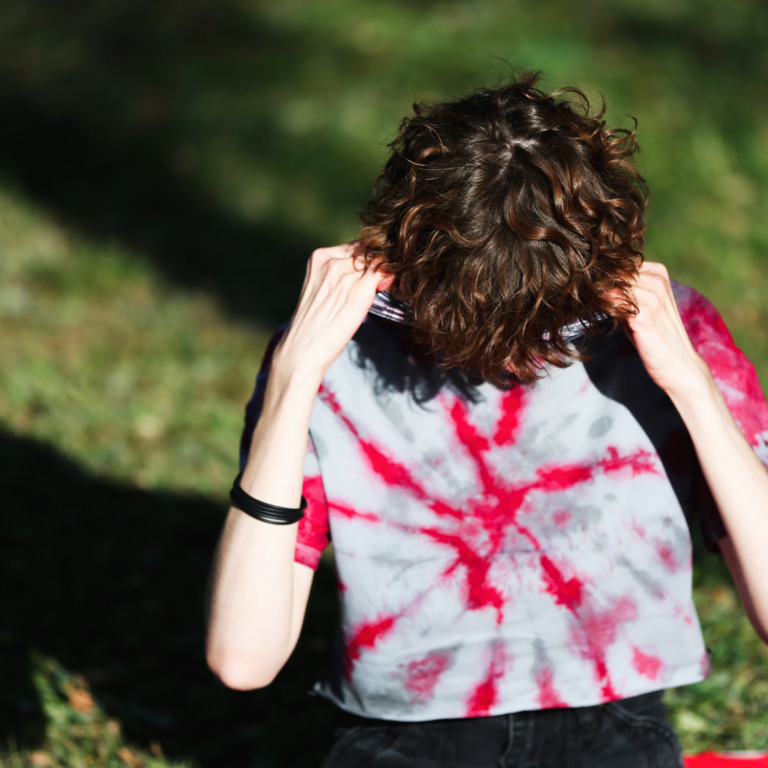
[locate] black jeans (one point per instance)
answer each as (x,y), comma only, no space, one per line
(631,733)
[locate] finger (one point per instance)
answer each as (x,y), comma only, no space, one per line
(654,267)
(654,273)
(356,250)
(323,255)
(381,269)
(386,282)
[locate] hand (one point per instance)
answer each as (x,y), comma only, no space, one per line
(338,292)
(658,333)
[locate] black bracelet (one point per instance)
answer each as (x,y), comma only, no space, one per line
(267,513)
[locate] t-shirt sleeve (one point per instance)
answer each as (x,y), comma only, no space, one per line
(735,377)
(313,536)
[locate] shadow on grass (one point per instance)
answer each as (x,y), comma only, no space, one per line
(109,581)
(124,191)
(113,114)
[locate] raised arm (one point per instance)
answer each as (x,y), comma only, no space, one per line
(737,478)
(258,594)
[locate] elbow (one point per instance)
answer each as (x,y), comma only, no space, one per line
(242,673)
(239,679)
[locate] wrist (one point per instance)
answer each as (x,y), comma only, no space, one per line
(697,398)
(292,374)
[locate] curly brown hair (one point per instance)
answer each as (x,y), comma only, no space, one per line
(506,216)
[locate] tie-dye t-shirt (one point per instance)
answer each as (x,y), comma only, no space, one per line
(507,550)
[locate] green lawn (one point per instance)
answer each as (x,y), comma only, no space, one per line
(165,169)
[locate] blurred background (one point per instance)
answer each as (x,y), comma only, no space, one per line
(165,169)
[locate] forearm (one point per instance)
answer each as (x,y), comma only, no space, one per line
(739,484)
(258,594)
(736,477)
(256,605)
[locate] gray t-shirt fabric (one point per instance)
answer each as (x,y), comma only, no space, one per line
(508,550)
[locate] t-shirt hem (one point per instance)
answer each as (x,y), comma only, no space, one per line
(448,713)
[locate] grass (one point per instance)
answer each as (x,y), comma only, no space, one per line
(78,731)
(164,171)
(727,710)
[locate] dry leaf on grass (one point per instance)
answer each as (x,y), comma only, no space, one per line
(113,728)
(156,749)
(80,699)
(129,757)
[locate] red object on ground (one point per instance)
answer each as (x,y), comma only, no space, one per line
(727,760)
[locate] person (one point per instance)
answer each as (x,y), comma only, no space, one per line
(506,420)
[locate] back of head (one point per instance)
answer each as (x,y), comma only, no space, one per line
(506,216)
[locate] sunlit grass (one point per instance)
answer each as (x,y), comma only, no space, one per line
(135,379)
